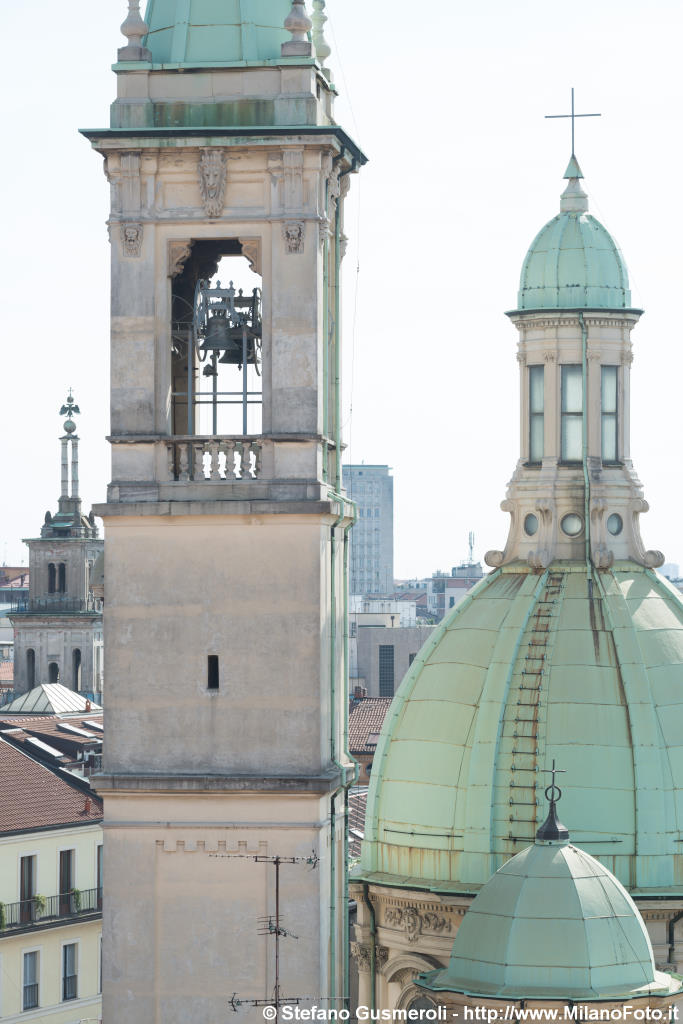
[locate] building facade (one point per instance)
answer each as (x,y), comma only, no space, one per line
(50,894)
(372,538)
(225,567)
(58,631)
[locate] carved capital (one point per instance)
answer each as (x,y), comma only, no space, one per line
(213,176)
(178,253)
(361,954)
(323,230)
(550,357)
(131,238)
(293,232)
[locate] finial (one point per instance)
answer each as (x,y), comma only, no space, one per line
(553,830)
(134,28)
(573,199)
(299,24)
(69,409)
(322,47)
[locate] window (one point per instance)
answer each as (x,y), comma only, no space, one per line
(76,669)
(69,975)
(51,578)
(30,993)
(386,670)
(62,578)
(31,668)
(572,414)
(608,394)
(66,880)
(451,602)
(212,672)
(27,888)
(536,413)
(411,659)
(53,672)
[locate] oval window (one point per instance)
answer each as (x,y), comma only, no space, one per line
(572,524)
(615,524)
(530,524)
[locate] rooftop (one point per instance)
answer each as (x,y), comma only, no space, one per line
(36,798)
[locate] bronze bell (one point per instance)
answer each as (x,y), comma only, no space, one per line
(217,337)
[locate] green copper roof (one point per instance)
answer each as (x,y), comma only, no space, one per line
(574,263)
(209,32)
(552,923)
(531,667)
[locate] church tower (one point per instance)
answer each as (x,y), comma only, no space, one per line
(58,636)
(570,649)
(226,526)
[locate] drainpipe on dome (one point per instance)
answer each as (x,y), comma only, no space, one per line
(373,947)
(584,449)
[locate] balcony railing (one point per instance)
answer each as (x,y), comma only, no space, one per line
(214,458)
(58,603)
(38,911)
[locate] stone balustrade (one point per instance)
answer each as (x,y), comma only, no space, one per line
(222,459)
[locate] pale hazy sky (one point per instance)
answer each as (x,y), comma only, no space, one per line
(449,106)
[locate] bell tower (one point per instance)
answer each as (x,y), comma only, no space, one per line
(226,525)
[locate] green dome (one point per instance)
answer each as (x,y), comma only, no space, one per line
(531,667)
(573,262)
(215,32)
(552,923)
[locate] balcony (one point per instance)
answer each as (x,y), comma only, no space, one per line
(58,603)
(214,458)
(39,912)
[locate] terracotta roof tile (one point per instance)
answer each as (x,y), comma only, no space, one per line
(365,724)
(34,797)
(7,671)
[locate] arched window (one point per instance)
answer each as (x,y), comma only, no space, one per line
(31,668)
(53,672)
(62,578)
(51,578)
(76,674)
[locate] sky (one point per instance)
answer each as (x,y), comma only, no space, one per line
(463,171)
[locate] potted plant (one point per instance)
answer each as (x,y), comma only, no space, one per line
(2,916)
(39,904)
(76,900)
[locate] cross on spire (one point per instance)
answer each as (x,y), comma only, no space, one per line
(552,829)
(573,116)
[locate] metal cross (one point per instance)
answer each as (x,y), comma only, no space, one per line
(573,116)
(553,788)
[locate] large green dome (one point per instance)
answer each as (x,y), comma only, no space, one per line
(587,669)
(573,262)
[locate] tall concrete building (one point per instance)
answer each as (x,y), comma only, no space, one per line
(58,632)
(224,575)
(372,538)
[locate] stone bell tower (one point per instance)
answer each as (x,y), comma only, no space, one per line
(226,528)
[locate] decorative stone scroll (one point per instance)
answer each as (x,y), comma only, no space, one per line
(178,253)
(293,232)
(414,923)
(251,249)
(213,176)
(131,238)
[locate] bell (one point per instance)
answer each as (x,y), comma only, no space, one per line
(217,337)
(233,348)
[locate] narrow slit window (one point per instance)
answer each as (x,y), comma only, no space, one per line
(572,414)
(536,413)
(212,673)
(608,394)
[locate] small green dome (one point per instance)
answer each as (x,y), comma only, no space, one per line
(215,32)
(573,262)
(584,668)
(552,923)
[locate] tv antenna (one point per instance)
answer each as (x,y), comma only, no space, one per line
(269,925)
